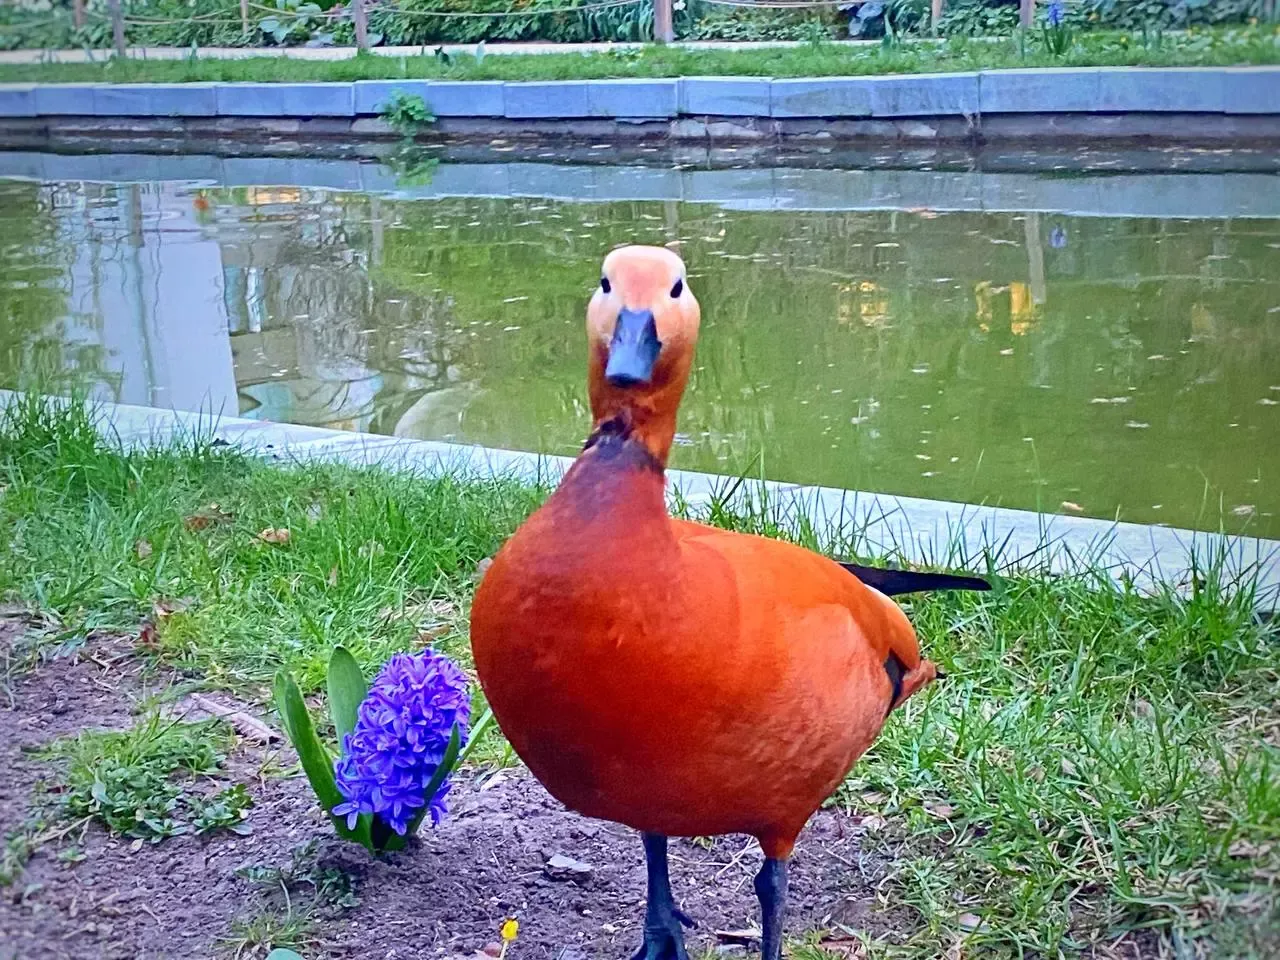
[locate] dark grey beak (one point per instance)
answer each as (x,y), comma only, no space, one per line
(633,350)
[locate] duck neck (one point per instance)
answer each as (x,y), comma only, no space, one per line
(646,417)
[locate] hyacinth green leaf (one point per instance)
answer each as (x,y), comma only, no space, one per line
(280,953)
(315,759)
(477,733)
(347,690)
(447,763)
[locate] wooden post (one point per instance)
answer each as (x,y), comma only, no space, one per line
(77,13)
(244,17)
(936,15)
(1027,13)
(663,22)
(117,27)
(361,17)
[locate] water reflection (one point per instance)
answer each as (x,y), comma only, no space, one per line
(1113,367)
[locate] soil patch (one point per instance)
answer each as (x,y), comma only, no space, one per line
(446,896)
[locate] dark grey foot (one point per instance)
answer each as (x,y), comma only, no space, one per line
(663,920)
(665,942)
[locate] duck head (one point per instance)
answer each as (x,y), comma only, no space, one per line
(642,324)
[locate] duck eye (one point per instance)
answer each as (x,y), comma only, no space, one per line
(678,288)
(604,284)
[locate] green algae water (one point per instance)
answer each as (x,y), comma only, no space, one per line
(1108,366)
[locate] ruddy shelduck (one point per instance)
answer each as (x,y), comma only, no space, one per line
(670,676)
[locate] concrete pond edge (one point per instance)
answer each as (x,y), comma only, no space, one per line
(1218,101)
(911,529)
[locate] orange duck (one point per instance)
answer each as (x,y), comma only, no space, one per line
(676,678)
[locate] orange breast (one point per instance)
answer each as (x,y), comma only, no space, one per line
(678,679)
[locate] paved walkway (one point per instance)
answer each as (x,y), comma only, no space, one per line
(345,53)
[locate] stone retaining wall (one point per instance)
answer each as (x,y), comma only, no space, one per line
(1236,103)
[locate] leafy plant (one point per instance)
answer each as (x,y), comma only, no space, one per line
(1057,33)
(298,21)
(406,113)
(329,886)
(398,744)
(137,781)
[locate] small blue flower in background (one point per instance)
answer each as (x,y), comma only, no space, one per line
(1057,238)
(402,730)
(1055,13)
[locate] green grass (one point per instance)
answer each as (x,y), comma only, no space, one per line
(142,782)
(1101,763)
(1219,47)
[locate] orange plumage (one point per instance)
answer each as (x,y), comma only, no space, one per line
(670,676)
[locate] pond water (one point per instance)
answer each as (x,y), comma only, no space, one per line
(1031,356)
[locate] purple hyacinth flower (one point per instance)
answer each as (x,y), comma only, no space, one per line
(401,734)
(1055,13)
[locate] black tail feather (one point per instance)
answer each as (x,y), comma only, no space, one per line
(894,582)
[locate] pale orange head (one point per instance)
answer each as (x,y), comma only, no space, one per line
(642,325)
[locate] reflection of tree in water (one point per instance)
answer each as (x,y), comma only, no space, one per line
(35,334)
(318,341)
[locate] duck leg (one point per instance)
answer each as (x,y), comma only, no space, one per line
(771,888)
(663,938)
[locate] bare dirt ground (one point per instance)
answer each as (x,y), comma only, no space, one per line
(446,896)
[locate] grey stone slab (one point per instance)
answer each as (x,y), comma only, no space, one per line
(1050,90)
(65,99)
(924,95)
(724,96)
(1159,90)
(634,99)
(286,99)
(17,100)
(155,100)
(553,99)
(370,95)
(825,97)
(1249,90)
(461,98)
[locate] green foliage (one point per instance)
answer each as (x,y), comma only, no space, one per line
(202,23)
(327,886)
(407,113)
(297,22)
(1219,47)
(979,18)
(317,763)
(139,782)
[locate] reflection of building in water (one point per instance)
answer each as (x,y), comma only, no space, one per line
(144,286)
(314,342)
(253,302)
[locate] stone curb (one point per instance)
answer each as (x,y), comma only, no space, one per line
(914,530)
(1227,91)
